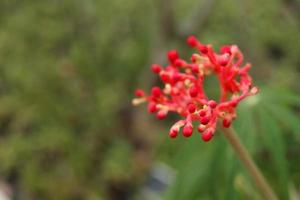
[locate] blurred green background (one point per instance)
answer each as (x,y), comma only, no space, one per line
(68,69)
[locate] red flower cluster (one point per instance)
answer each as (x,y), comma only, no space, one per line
(183,91)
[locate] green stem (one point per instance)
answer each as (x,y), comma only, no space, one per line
(248,162)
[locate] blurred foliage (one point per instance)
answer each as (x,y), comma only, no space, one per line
(67,72)
(268,128)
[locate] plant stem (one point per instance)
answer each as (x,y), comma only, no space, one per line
(248,162)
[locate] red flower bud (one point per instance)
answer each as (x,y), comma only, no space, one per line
(194,68)
(152,107)
(187,131)
(204,120)
(223,59)
(139,93)
(192,41)
(225,49)
(172,55)
(176,77)
(161,114)
(179,63)
(165,78)
(226,123)
(155,68)
(207,135)
(202,112)
(201,128)
(234,103)
(203,49)
(212,104)
(156,91)
(191,108)
(173,133)
(193,91)
(194,58)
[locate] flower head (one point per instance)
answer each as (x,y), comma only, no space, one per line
(184,94)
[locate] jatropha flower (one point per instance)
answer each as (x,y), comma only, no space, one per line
(183,91)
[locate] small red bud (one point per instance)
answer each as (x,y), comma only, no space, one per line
(161,114)
(194,57)
(194,68)
(172,55)
(176,77)
(203,49)
(202,113)
(165,78)
(192,108)
(226,123)
(152,107)
(192,41)
(234,103)
(179,63)
(187,131)
(212,104)
(204,120)
(156,91)
(207,135)
(169,68)
(173,133)
(193,91)
(175,91)
(225,49)
(139,93)
(156,68)
(201,128)
(223,59)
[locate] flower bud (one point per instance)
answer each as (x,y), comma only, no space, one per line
(202,112)
(161,114)
(194,68)
(152,107)
(139,93)
(179,63)
(204,120)
(225,49)
(192,41)
(207,135)
(223,59)
(176,77)
(193,91)
(192,108)
(203,49)
(173,133)
(226,123)
(212,104)
(156,91)
(156,68)
(165,78)
(201,128)
(172,55)
(187,130)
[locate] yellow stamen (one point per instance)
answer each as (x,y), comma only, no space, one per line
(187,82)
(167,89)
(137,101)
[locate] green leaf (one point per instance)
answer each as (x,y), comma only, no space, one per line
(272,138)
(285,115)
(280,96)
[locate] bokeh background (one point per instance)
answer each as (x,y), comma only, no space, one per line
(68,69)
